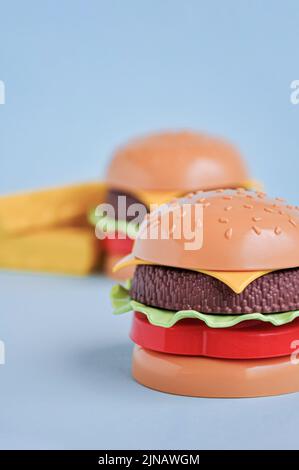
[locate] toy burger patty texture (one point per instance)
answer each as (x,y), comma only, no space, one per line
(220,320)
(156,168)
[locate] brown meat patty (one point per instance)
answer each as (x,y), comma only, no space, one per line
(112,198)
(180,289)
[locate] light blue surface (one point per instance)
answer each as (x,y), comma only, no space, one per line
(66,382)
(82,77)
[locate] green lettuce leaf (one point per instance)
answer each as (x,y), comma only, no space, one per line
(122,303)
(110,225)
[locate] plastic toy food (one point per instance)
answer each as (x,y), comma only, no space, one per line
(68,250)
(48,230)
(159,167)
(38,210)
(222,319)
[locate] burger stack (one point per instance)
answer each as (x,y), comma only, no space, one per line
(218,318)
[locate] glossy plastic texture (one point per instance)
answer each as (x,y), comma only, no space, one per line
(215,378)
(182,161)
(123,275)
(242,231)
(248,340)
(65,250)
(117,246)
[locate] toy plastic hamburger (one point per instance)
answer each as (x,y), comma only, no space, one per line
(156,168)
(220,320)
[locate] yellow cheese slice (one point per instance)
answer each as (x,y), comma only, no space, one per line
(253,185)
(161,197)
(74,251)
(155,197)
(236,280)
(129,260)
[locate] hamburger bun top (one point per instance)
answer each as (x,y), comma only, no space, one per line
(242,231)
(182,161)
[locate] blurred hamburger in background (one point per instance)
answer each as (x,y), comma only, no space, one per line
(153,170)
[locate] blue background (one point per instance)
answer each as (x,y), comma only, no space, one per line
(82,77)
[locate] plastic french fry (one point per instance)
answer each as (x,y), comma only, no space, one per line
(62,250)
(61,206)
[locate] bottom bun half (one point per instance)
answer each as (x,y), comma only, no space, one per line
(215,378)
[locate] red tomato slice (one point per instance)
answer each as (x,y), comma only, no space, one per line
(247,340)
(118,246)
